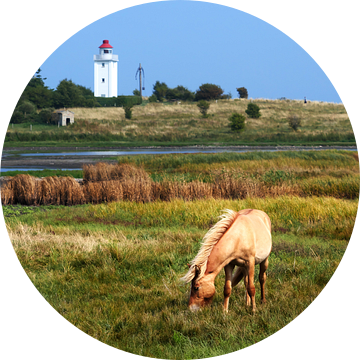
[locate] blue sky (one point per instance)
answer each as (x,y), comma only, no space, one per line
(191,43)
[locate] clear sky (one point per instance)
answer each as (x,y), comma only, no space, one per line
(192,43)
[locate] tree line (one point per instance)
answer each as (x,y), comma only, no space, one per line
(38,102)
(207,92)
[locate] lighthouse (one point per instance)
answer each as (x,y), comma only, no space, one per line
(105,71)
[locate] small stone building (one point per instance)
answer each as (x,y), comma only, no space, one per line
(62,117)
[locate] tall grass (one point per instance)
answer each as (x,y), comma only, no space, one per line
(114,182)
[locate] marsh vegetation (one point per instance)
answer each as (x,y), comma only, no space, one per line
(112,269)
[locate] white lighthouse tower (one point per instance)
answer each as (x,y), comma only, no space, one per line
(105,71)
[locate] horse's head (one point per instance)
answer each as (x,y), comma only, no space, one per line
(202,291)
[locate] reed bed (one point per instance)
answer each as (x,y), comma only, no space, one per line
(107,183)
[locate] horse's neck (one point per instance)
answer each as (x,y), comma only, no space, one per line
(219,257)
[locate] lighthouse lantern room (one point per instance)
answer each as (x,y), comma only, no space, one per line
(105,71)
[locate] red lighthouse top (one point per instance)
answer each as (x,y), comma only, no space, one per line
(105,44)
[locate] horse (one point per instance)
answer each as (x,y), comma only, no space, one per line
(241,239)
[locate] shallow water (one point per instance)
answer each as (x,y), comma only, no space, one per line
(68,157)
(165,151)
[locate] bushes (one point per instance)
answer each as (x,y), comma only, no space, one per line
(243,93)
(209,92)
(237,122)
(294,122)
(253,111)
(203,107)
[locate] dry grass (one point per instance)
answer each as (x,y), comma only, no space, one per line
(104,172)
(138,187)
(27,190)
(158,118)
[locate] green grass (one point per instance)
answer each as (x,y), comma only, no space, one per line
(113,270)
(77,174)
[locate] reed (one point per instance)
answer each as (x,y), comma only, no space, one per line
(107,183)
(103,191)
(196,176)
(28,190)
(105,172)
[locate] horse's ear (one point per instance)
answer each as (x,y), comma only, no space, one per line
(197,270)
(188,265)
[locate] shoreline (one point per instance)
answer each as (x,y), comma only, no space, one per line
(12,160)
(205,147)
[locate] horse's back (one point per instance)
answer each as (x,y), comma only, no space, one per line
(257,224)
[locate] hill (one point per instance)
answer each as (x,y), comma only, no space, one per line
(170,124)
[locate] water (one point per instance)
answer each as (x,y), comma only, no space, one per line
(4,170)
(167,151)
(136,152)
(127,152)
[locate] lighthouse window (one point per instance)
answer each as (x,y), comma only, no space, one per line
(103,64)
(106,51)
(103,80)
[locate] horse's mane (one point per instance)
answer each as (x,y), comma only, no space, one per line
(210,239)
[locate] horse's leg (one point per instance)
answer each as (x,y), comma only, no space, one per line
(227,288)
(250,282)
(247,297)
(262,278)
(238,275)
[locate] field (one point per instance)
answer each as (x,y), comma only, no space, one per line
(112,269)
(169,124)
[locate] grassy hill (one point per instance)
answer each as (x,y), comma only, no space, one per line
(181,124)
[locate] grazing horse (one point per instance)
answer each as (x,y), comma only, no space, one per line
(240,239)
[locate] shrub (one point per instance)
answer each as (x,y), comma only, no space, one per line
(294,122)
(44,116)
(128,112)
(17,117)
(203,107)
(152,98)
(237,122)
(209,92)
(253,111)
(243,93)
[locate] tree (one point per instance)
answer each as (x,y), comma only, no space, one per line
(253,111)
(25,111)
(136,92)
(203,107)
(243,93)
(237,122)
(208,92)
(44,116)
(68,94)
(180,93)
(36,92)
(26,107)
(160,90)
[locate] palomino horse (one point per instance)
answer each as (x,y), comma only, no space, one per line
(240,238)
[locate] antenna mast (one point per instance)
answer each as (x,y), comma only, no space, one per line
(141,72)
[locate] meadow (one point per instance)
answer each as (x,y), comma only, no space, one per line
(112,268)
(170,124)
